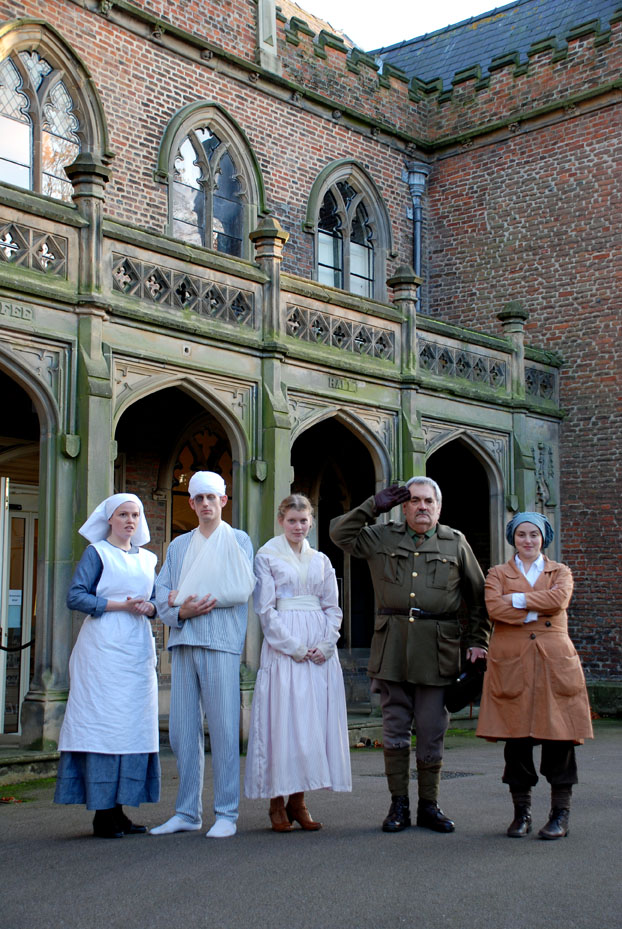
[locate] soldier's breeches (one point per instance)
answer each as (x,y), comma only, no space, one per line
(405,704)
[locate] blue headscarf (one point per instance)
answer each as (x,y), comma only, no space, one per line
(538,519)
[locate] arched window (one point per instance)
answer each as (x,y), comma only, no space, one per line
(215,185)
(38,125)
(49,109)
(352,230)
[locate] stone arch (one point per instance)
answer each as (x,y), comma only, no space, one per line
(236,432)
(474,446)
(211,405)
(377,449)
(35,35)
(42,397)
(338,462)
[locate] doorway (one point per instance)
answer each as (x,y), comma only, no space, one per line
(466,495)
(336,471)
(18,556)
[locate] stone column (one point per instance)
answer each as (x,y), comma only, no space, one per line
(404,285)
(267,50)
(78,469)
(89,177)
(513,317)
(269,239)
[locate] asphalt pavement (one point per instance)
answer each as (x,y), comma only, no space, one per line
(349,875)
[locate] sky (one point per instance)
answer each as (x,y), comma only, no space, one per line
(401,19)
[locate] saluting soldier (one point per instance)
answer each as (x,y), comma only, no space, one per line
(421,572)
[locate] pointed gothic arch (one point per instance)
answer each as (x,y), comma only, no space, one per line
(51,110)
(216,189)
(472,481)
(351,226)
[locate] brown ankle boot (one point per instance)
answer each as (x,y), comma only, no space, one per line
(278,816)
(296,810)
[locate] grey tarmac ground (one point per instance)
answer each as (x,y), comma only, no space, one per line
(350,875)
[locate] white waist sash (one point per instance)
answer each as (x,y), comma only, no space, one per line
(306,602)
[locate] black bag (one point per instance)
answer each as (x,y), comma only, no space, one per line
(467,688)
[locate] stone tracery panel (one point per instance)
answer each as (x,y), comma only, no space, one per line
(33,248)
(182,291)
(382,424)
(496,444)
(49,365)
(322,328)
(454,361)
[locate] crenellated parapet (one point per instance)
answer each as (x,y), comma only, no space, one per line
(326,73)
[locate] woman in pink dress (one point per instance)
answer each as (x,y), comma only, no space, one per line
(299,732)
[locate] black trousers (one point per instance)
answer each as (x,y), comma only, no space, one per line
(558,763)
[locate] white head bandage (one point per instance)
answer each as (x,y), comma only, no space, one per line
(97,526)
(206,482)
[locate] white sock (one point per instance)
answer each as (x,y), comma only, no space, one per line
(222,829)
(175,824)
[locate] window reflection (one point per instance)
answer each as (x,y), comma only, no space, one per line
(345,254)
(207,194)
(36,115)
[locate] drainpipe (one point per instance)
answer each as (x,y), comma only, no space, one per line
(416,175)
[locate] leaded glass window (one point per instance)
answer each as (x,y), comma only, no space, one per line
(330,244)
(38,126)
(345,252)
(208,207)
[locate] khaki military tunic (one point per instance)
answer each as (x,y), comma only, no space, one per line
(436,577)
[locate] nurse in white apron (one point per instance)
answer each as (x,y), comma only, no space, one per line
(109,738)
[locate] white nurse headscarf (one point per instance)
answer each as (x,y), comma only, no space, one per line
(97,526)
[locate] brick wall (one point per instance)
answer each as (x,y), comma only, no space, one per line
(535,218)
(526,208)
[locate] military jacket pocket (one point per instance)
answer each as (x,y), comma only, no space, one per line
(440,568)
(506,677)
(448,649)
(378,643)
(396,567)
(566,675)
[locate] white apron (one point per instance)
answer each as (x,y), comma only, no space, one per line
(113,698)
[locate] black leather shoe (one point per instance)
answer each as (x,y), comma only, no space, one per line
(521,824)
(431,817)
(126,826)
(557,826)
(106,826)
(398,817)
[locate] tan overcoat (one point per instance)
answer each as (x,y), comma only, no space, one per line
(534,684)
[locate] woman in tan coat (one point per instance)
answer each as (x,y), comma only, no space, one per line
(534,688)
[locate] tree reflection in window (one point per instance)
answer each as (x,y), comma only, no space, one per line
(207,194)
(38,126)
(345,250)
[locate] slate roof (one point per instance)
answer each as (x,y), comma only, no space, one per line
(477,41)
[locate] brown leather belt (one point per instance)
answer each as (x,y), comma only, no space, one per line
(416,613)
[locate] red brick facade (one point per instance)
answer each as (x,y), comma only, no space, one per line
(523,202)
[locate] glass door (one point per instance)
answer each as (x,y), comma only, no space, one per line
(18,559)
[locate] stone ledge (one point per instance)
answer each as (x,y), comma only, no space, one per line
(17,765)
